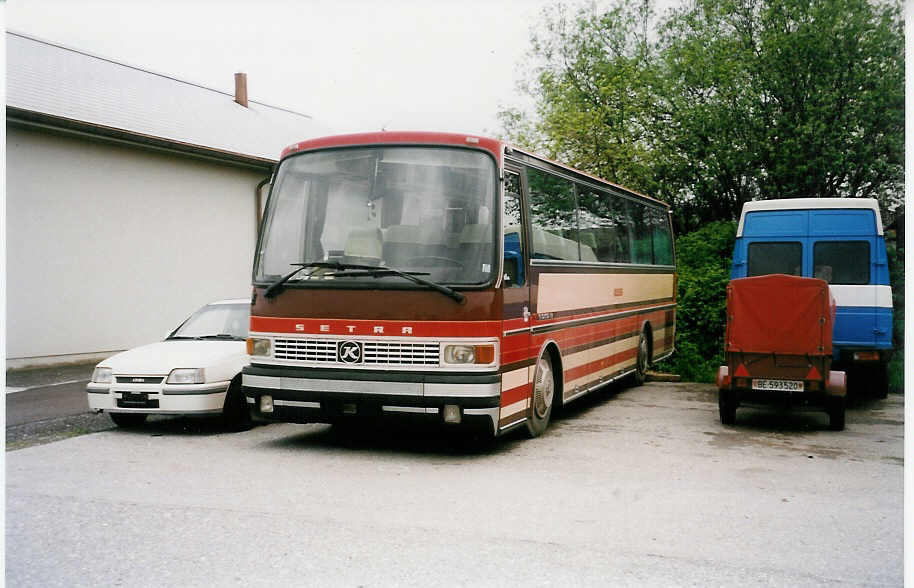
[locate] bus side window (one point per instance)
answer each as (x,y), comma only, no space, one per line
(553,216)
(513,232)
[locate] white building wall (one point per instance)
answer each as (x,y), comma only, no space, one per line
(112,246)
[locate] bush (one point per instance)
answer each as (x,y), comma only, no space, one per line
(703,265)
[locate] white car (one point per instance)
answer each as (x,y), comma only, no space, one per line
(196,370)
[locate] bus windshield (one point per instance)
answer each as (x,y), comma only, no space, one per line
(425,210)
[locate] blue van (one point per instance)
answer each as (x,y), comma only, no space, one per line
(841,241)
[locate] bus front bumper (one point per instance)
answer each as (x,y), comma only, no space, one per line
(318,396)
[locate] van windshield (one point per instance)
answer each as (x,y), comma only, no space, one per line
(426,210)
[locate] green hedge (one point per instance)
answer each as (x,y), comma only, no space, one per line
(703,265)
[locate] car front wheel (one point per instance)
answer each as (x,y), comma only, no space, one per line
(235,413)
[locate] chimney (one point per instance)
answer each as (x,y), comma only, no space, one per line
(241,89)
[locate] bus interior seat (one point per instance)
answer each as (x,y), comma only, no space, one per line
(401,242)
(433,241)
(588,246)
(364,246)
(476,244)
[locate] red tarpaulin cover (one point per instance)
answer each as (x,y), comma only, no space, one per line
(780,314)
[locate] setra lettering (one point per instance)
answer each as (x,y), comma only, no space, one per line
(352,329)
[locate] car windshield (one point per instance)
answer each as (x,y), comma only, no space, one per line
(425,210)
(216,321)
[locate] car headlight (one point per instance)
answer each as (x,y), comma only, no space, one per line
(258,346)
(469,354)
(185,376)
(102,375)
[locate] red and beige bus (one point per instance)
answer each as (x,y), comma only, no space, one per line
(450,278)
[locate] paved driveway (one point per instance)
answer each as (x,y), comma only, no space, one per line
(642,487)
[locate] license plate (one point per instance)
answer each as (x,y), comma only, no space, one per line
(778,385)
(135,396)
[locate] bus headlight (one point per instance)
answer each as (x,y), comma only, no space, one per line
(469,354)
(258,346)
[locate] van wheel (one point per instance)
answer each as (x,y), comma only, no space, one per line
(881,380)
(127,420)
(543,397)
(642,361)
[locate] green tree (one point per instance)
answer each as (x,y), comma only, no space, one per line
(781,99)
(728,101)
(589,74)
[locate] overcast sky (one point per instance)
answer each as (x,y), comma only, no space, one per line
(352,64)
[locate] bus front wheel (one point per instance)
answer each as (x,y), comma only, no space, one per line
(543,397)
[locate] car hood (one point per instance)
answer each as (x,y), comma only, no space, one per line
(164,356)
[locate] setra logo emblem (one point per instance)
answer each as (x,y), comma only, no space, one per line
(349,352)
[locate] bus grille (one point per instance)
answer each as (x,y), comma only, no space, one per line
(375,353)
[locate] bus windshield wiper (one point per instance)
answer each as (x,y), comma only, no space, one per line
(380,270)
(277,286)
(222,336)
(368,270)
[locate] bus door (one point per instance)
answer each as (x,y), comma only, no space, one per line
(516,321)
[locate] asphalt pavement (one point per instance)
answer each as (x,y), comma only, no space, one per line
(631,487)
(49,404)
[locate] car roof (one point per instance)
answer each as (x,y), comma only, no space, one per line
(231,301)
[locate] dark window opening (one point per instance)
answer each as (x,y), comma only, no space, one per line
(775,258)
(842,262)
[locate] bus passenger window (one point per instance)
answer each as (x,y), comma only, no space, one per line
(552,207)
(513,232)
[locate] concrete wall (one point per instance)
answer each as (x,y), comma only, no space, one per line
(111,246)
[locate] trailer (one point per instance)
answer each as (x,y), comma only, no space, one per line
(841,241)
(778,347)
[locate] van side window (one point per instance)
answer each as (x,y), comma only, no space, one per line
(842,262)
(782,257)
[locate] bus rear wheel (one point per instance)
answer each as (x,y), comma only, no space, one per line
(642,361)
(543,397)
